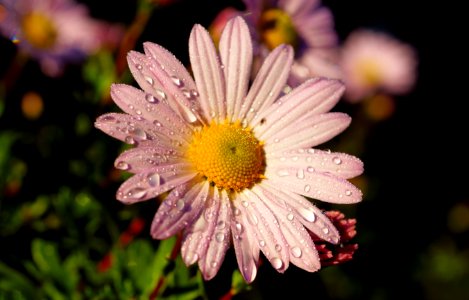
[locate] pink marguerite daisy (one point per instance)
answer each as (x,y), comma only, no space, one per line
(55,32)
(374,61)
(307,25)
(236,161)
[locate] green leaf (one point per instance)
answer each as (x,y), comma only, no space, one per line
(12,280)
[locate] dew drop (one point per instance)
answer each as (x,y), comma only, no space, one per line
(236,212)
(220,237)
(290,217)
(221,224)
(310,169)
(307,214)
(278,248)
(161,94)
(296,252)
(283,173)
(337,160)
(139,133)
(294,158)
(276,263)
(283,158)
(325,230)
(180,204)
(154,179)
(300,174)
(307,188)
(150,98)
(137,193)
(311,151)
(262,243)
(177,81)
(139,67)
(194,93)
(107,118)
(348,193)
(245,203)
(276,140)
(213,264)
(149,80)
(129,140)
(122,165)
(239,227)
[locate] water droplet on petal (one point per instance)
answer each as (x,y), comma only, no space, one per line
(139,133)
(325,230)
(348,193)
(137,193)
(149,80)
(278,248)
(150,98)
(180,204)
(237,212)
(283,173)
(310,169)
(194,93)
(311,151)
(337,160)
(177,81)
(154,179)
(161,94)
(290,217)
(107,118)
(276,140)
(122,165)
(213,264)
(239,227)
(139,67)
(220,237)
(221,224)
(276,263)
(296,252)
(245,203)
(129,140)
(300,174)
(307,214)
(307,188)
(262,243)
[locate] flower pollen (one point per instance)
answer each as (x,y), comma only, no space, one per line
(228,155)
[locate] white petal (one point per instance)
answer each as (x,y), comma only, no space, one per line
(236,57)
(313,97)
(258,219)
(143,158)
(153,78)
(321,186)
(179,209)
(219,241)
(269,82)
(153,182)
(307,132)
(208,74)
(302,250)
(305,160)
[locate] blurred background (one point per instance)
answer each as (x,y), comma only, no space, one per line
(64,236)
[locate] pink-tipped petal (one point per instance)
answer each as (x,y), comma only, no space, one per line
(321,186)
(308,131)
(135,131)
(219,241)
(143,158)
(155,109)
(154,80)
(301,209)
(236,57)
(182,206)
(153,182)
(315,96)
(246,248)
(302,251)
(338,164)
(262,223)
(208,74)
(269,82)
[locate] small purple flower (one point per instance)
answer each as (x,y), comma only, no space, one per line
(236,160)
(54,31)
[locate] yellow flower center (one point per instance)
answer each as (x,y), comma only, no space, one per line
(228,155)
(369,71)
(277,28)
(39,30)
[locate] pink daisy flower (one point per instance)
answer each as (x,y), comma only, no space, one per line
(54,31)
(236,161)
(374,61)
(306,25)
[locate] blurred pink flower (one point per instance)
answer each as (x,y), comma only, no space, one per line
(55,31)
(235,160)
(305,24)
(372,61)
